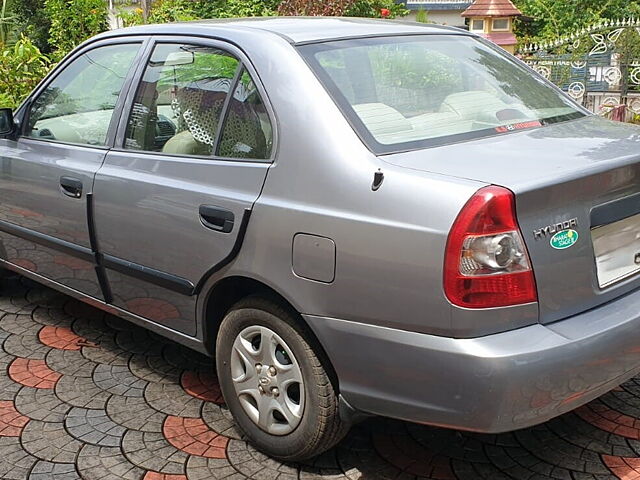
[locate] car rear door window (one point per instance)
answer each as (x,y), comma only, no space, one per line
(77,106)
(179,102)
(247,130)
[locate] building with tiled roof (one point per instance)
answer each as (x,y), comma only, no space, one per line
(493,19)
(492,8)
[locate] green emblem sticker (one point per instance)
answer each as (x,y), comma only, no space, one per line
(564,239)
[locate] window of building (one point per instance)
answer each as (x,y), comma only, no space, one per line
(500,24)
(477,25)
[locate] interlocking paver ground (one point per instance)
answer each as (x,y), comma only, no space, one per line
(84,395)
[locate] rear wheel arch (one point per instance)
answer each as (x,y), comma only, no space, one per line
(228,291)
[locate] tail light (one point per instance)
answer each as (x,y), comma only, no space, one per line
(486,261)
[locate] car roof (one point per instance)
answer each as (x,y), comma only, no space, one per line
(298,30)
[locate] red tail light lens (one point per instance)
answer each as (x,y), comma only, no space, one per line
(486,261)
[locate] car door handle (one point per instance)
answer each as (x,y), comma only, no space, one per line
(72,187)
(216,218)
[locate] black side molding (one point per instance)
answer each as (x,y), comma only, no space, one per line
(615,211)
(102,261)
(151,275)
(232,254)
(101,273)
(45,240)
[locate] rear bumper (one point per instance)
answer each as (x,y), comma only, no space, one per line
(490,384)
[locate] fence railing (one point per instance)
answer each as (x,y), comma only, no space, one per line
(593,66)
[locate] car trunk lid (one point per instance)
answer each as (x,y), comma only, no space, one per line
(577,188)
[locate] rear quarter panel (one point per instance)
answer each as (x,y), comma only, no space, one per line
(389,243)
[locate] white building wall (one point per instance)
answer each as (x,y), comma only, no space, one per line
(452,18)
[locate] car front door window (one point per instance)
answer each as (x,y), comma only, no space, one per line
(77,106)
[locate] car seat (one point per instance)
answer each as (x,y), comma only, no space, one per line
(381,119)
(197,107)
(474,105)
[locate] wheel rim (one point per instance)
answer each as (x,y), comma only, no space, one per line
(267,380)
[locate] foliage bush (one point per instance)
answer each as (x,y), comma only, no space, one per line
(73,21)
(314,8)
(422,16)
(376,9)
(165,11)
(32,20)
(235,8)
(6,22)
(22,66)
(549,19)
(349,8)
(162,11)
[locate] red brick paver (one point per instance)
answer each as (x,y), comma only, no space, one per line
(623,468)
(193,436)
(11,422)
(603,417)
(33,373)
(61,338)
(136,407)
(163,476)
(201,385)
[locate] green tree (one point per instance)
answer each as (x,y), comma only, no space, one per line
(314,7)
(73,21)
(235,8)
(164,11)
(376,9)
(22,66)
(6,22)
(32,20)
(552,18)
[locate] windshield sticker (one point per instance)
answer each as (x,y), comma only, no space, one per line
(564,239)
(518,126)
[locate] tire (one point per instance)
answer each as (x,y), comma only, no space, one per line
(290,431)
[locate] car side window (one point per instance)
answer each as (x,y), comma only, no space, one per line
(179,102)
(77,106)
(247,130)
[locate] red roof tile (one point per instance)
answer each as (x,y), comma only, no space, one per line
(492,8)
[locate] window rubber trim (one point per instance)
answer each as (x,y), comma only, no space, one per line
(225,107)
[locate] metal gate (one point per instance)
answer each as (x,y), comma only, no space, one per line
(598,66)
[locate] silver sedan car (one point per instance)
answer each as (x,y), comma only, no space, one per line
(352,217)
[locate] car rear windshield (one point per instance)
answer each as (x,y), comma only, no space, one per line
(409,92)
